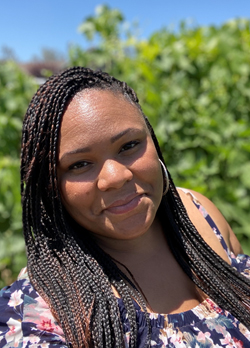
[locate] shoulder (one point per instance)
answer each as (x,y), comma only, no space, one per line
(223,226)
(26,318)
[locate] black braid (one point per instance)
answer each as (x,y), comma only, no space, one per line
(221,282)
(75,277)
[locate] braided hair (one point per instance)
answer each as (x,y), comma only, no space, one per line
(75,276)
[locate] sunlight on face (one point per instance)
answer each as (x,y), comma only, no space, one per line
(109,174)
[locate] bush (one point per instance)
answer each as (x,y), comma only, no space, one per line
(16,90)
(194,85)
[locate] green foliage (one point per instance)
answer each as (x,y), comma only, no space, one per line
(107,50)
(105,24)
(16,90)
(203,119)
(194,85)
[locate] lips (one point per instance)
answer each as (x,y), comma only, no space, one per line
(123,206)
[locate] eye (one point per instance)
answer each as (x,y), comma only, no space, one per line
(130,145)
(79,165)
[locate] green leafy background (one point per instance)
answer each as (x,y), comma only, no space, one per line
(193,84)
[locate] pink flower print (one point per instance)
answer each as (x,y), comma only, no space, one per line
(153,315)
(203,211)
(218,310)
(33,339)
(218,235)
(232,255)
(44,345)
(177,340)
(238,343)
(203,336)
(244,331)
(164,338)
(214,306)
(15,333)
(228,341)
(46,325)
(30,341)
(15,299)
(153,343)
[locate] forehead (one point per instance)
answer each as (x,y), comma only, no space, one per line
(93,115)
(100,108)
(104,99)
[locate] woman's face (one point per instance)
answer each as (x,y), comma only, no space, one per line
(109,174)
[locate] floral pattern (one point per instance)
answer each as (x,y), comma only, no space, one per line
(25,318)
(206,325)
(27,322)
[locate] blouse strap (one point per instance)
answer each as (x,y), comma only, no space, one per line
(209,219)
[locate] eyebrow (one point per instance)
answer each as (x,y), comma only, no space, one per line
(121,134)
(74,152)
(88,149)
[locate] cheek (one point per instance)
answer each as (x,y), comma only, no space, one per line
(150,166)
(149,172)
(75,196)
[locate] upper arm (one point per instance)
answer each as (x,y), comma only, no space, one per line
(235,246)
(226,231)
(223,226)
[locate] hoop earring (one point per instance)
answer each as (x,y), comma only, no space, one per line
(166,178)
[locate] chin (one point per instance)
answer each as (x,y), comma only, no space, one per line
(132,229)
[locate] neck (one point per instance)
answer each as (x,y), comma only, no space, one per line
(143,247)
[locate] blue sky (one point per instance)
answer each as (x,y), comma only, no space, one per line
(26,26)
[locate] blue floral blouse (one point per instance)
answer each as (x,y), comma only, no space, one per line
(26,320)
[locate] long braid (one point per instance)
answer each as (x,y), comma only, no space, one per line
(221,282)
(64,273)
(74,275)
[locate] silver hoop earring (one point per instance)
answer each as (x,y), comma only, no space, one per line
(166,178)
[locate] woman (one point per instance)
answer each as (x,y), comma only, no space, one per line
(110,241)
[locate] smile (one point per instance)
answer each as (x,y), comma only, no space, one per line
(124,206)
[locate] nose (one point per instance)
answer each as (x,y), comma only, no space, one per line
(113,175)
